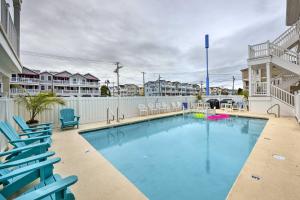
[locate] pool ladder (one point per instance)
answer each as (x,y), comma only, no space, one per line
(108,120)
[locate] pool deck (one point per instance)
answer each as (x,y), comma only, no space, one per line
(99,179)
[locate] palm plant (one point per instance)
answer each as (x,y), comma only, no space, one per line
(39,103)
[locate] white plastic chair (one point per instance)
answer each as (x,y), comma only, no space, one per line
(143,109)
(152,109)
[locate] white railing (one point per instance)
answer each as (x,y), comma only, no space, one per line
(24,80)
(283,95)
(21,91)
(61,92)
(270,49)
(89,92)
(297,106)
(288,34)
(259,88)
(8,26)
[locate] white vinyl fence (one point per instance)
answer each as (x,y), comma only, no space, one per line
(297,106)
(90,109)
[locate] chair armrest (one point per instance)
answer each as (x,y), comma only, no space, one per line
(28,140)
(29,168)
(20,149)
(35,132)
(78,117)
(47,190)
(26,160)
(41,124)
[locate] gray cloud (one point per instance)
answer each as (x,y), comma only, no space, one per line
(153,36)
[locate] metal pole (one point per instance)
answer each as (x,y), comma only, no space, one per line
(207,77)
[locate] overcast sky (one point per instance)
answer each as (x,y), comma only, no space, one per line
(154,36)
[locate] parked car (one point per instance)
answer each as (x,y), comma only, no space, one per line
(227,101)
(213,103)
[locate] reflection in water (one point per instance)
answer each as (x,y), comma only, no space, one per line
(207,148)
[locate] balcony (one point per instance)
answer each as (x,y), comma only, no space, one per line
(23,91)
(259,89)
(20,80)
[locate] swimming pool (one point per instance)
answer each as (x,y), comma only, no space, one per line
(180,157)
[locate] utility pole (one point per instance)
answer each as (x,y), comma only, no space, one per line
(207,76)
(143,83)
(113,89)
(201,85)
(159,89)
(233,79)
(118,75)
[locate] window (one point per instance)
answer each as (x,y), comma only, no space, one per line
(42,78)
(42,87)
(49,78)
(49,87)
(74,80)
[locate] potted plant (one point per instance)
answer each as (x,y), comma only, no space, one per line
(39,103)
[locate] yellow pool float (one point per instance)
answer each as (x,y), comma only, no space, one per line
(199,115)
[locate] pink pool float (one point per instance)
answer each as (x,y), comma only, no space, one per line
(217,117)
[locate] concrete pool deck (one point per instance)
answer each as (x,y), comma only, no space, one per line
(99,179)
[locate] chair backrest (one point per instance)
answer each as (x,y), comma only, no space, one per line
(67,114)
(10,133)
(157,105)
(21,122)
(150,105)
(141,106)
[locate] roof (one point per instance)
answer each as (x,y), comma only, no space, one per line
(63,74)
(28,71)
(77,74)
(91,77)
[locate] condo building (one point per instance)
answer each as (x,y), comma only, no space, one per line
(31,82)
(125,90)
(168,88)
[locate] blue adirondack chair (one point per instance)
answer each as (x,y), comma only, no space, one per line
(15,139)
(12,185)
(42,170)
(68,118)
(38,127)
(55,191)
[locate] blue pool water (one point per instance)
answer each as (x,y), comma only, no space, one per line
(180,158)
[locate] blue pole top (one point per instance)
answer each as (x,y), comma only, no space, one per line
(206,41)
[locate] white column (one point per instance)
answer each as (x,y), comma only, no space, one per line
(250,79)
(268,72)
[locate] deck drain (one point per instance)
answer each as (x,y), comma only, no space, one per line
(257,178)
(278,157)
(266,138)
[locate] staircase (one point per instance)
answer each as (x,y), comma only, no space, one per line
(290,37)
(283,96)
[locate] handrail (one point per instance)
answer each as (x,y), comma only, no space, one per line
(278,110)
(107,116)
(283,95)
(123,116)
(286,35)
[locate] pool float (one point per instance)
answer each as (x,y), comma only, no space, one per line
(217,117)
(199,115)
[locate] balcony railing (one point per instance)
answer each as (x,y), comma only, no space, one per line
(259,88)
(8,26)
(288,34)
(270,49)
(24,80)
(20,91)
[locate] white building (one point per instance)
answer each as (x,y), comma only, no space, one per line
(9,43)
(274,68)
(125,90)
(168,88)
(62,83)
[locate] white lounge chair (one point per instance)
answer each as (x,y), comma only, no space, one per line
(159,107)
(152,109)
(173,106)
(165,106)
(179,105)
(143,109)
